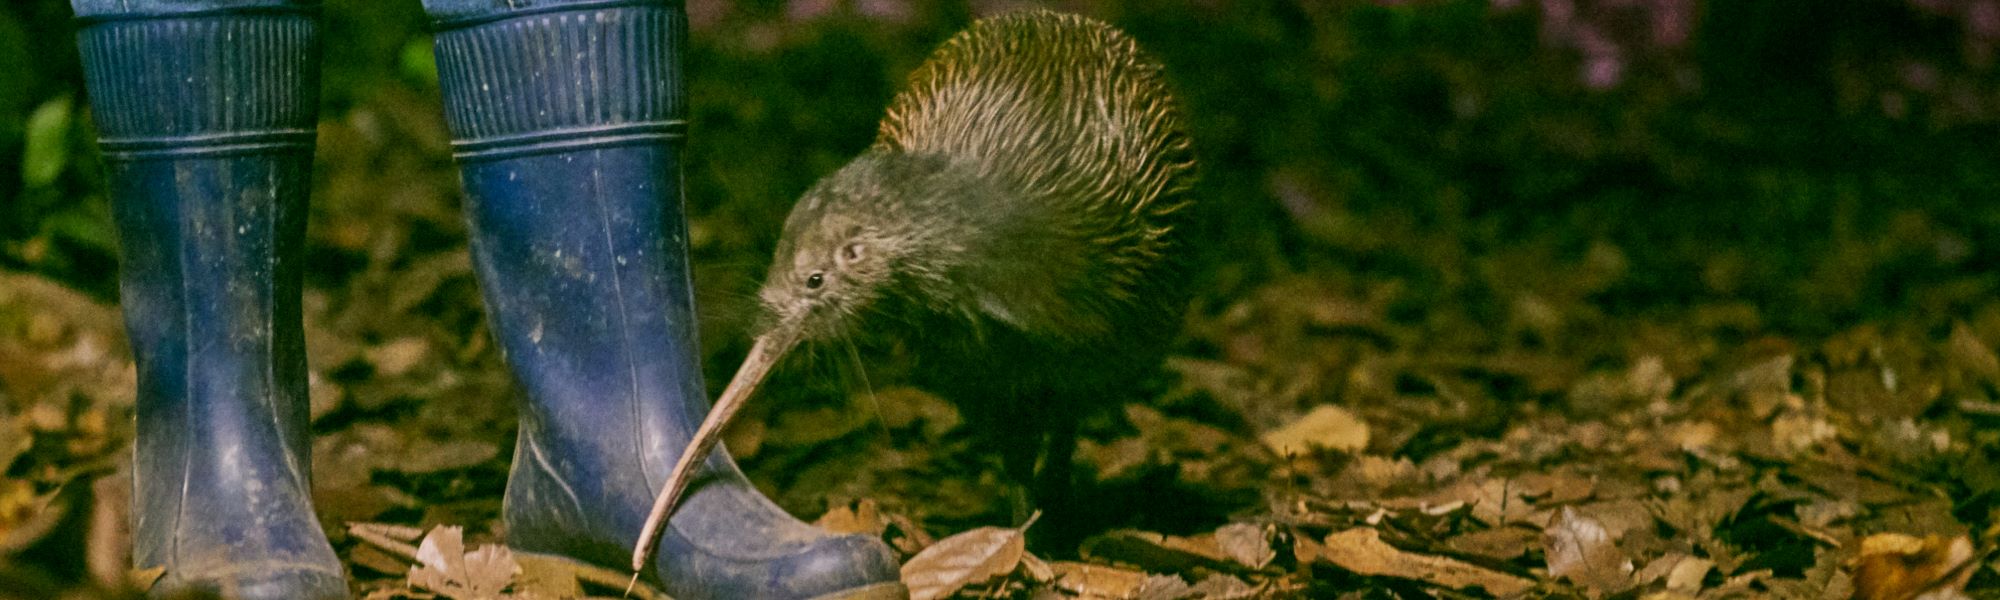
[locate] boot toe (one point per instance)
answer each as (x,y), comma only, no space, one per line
(832,567)
(847,567)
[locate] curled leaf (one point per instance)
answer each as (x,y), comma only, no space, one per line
(1361,550)
(964,559)
(446,568)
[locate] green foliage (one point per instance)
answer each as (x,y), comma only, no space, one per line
(418,62)
(47,148)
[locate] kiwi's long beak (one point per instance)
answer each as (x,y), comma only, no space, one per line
(764,354)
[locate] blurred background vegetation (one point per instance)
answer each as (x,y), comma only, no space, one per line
(1820,161)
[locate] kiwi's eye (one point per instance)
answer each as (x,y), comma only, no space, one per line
(815,280)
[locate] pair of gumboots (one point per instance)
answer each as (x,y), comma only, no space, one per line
(567,118)
(567,123)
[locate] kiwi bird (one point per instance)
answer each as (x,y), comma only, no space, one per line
(1016,224)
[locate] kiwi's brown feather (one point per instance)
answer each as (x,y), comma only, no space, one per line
(1066,109)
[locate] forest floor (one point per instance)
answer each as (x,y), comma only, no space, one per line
(1304,441)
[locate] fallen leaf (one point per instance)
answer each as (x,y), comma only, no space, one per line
(1248,544)
(1157,552)
(1164,587)
(1579,548)
(1494,501)
(1379,472)
(863,517)
(547,577)
(386,531)
(1657,569)
(1307,550)
(964,559)
(1361,550)
(1899,567)
(808,427)
(1085,580)
(1798,431)
(1036,569)
(1688,574)
(1327,426)
(1554,488)
(373,558)
(444,567)
(1740,585)
(143,579)
(27,518)
(1501,543)
(903,407)
(1217,586)
(908,537)
(398,356)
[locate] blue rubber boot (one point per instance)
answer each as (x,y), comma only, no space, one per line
(567,125)
(206,113)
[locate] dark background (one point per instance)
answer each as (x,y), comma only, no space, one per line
(1827,158)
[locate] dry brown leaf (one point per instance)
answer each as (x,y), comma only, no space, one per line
(863,517)
(964,559)
(398,356)
(443,566)
(1657,568)
(806,427)
(902,407)
(367,557)
(1307,550)
(1682,573)
(1579,548)
(1158,552)
(1248,544)
(1114,459)
(1688,574)
(1741,585)
(143,579)
(908,537)
(1327,426)
(547,577)
(1217,586)
(1036,569)
(1089,581)
(1554,488)
(1501,543)
(1361,550)
(1164,587)
(1894,566)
